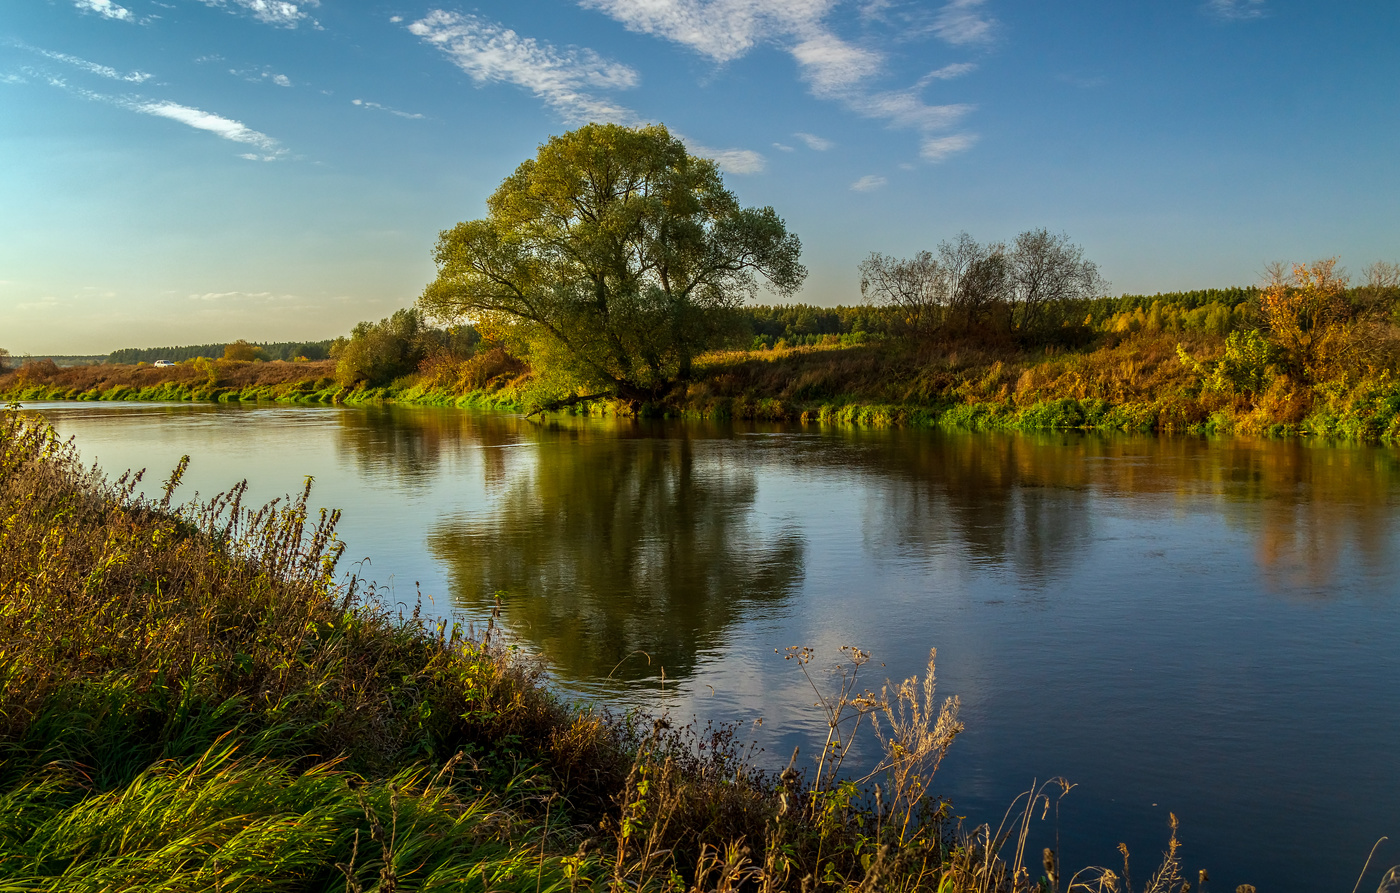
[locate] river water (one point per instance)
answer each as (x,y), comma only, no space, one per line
(1209,628)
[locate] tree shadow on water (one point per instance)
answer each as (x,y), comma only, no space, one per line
(622,556)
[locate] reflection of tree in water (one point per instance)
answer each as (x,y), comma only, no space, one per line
(619,545)
(410,443)
(1019,502)
(1310,503)
(1024,499)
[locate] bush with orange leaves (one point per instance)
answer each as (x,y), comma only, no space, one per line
(1306,316)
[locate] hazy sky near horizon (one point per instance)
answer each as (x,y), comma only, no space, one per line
(186,171)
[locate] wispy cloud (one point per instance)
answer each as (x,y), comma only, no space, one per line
(280,13)
(134,77)
(948,72)
(814,142)
(224,128)
(1237,10)
(834,69)
(961,22)
(937,149)
(563,79)
(269,149)
(254,76)
(868,183)
(366,104)
(782,147)
(731,161)
(107,9)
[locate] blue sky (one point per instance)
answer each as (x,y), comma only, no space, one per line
(181,171)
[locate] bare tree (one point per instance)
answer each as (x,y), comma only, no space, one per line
(1381,291)
(979,276)
(917,288)
(1048,274)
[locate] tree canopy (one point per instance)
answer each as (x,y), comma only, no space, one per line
(609,260)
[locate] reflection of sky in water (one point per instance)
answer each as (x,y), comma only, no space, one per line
(1204,626)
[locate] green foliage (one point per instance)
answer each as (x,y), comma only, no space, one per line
(1247,366)
(805,324)
(1102,309)
(241,351)
(377,353)
(609,261)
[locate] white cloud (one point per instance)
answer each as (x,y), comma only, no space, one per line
(815,143)
(1236,10)
(270,12)
(12,79)
(135,77)
(960,22)
(731,161)
(904,108)
(783,148)
(366,104)
(396,19)
(835,69)
(225,128)
(254,76)
(724,30)
(833,66)
(107,9)
(868,182)
(948,72)
(564,79)
(937,149)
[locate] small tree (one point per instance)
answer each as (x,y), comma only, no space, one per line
(242,351)
(4,360)
(1307,318)
(376,353)
(609,260)
(1048,274)
(979,281)
(916,289)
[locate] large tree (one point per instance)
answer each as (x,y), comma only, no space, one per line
(610,260)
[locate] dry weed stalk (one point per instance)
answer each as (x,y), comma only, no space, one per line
(916,735)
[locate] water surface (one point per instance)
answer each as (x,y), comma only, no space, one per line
(1210,628)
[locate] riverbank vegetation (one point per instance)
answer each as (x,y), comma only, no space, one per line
(194,701)
(1307,353)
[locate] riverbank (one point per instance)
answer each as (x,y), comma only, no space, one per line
(1147,382)
(195,700)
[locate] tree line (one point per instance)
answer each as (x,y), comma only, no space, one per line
(262,350)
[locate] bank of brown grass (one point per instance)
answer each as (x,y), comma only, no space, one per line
(193,374)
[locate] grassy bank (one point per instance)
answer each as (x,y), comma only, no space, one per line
(1149,381)
(225,381)
(1142,383)
(193,700)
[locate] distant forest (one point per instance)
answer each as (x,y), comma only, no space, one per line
(275,350)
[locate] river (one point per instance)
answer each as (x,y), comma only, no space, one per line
(1204,627)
